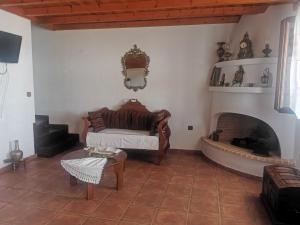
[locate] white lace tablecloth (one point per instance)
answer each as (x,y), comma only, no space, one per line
(86,169)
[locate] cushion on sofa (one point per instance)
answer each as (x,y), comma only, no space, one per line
(97,120)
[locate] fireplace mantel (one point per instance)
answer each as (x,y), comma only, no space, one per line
(253,90)
(252,61)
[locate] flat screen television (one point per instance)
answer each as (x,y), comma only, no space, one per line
(10,45)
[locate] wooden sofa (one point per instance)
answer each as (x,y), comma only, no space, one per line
(132,128)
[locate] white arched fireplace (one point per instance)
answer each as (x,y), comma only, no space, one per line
(249,133)
(253,133)
(239,114)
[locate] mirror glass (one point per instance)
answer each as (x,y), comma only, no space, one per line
(135,68)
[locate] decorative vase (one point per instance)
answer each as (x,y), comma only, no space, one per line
(267,50)
(221,51)
(16,154)
(228,54)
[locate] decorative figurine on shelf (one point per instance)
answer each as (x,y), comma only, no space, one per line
(267,51)
(238,77)
(215,76)
(221,51)
(245,48)
(222,81)
(266,79)
(228,52)
(215,135)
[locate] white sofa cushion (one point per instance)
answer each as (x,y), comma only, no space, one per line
(122,138)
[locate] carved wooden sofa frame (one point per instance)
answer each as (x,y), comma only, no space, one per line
(163,131)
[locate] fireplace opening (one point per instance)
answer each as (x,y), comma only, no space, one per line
(248,132)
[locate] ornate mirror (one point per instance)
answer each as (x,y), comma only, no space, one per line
(135,68)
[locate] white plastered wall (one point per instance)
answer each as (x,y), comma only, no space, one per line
(18,109)
(79,71)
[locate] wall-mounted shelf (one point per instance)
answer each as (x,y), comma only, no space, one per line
(254,90)
(252,61)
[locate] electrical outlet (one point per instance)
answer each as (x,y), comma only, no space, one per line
(190,127)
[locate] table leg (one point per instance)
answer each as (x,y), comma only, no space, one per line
(119,171)
(73,180)
(90,191)
(14,166)
(124,165)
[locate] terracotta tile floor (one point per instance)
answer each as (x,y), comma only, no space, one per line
(184,190)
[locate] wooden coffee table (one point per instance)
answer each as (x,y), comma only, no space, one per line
(117,163)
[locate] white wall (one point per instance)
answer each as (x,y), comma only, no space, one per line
(78,71)
(18,113)
(262,28)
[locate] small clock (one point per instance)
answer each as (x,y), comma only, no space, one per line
(245,48)
(243,45)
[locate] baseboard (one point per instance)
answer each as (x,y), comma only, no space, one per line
(184,150)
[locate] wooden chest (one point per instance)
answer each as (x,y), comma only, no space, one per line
(281,194)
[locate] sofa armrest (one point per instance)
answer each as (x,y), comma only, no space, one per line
(164,135)
(86,126)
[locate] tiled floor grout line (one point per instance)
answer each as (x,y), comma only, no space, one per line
(190,200)
(85,215)
(101,202)
(219,200)
(133,199)
(158,208)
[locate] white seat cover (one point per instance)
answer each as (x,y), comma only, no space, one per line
(122,138)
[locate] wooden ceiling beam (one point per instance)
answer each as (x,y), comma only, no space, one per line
(160,15)
(91,8)
(56,14)
(159,3)
(26,3)
(103,8)
(150,23)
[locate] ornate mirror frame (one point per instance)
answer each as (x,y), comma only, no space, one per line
(135,52)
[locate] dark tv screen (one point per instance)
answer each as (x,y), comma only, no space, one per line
(10,45)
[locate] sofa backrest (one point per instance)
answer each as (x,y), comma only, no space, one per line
(128,119)
(132,115)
